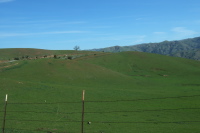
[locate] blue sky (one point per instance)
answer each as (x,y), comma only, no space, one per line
(63,24)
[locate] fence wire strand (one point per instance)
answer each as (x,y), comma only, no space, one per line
(99,112)
(116,122)
(41,120)
(109,101)
(38,130)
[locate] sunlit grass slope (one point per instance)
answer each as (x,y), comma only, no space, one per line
(125,92)
(140,63)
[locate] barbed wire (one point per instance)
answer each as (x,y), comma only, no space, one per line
(116,122)
(155,122)
(41,120)
(20,129)
(156,110)
(37,130)
(99,112)
(107,101)
(47,103)
(130,100)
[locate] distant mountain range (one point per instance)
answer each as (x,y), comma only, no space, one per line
(187,48)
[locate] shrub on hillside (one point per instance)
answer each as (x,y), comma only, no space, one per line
(16,58)
(70,57)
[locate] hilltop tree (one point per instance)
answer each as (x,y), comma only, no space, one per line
(76,48)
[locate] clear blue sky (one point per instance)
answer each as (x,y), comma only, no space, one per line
(62,24)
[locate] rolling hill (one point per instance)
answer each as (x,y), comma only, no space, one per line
(187,48)
(125,92)
(21,53)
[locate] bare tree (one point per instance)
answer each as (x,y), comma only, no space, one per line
(76,48)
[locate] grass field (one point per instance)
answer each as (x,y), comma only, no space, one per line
(125,93)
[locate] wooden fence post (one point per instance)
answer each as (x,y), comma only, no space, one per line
(4,120)
(83,99)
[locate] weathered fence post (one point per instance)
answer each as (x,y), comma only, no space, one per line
(83,99)
(4,120)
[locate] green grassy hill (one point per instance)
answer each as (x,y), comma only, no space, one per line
(11,53)
(125,92)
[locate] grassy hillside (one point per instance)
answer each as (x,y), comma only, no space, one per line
(125,92)
(11,53)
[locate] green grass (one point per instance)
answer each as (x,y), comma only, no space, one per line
(125,92)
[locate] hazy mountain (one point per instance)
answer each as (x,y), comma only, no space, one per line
(187,48)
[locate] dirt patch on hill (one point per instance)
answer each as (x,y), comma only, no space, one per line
(7,66)
(2,61)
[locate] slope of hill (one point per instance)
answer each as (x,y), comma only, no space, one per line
(11,53)
(19,52)
(188,48)
(125,92)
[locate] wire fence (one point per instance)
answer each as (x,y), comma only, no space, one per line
(31,112)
